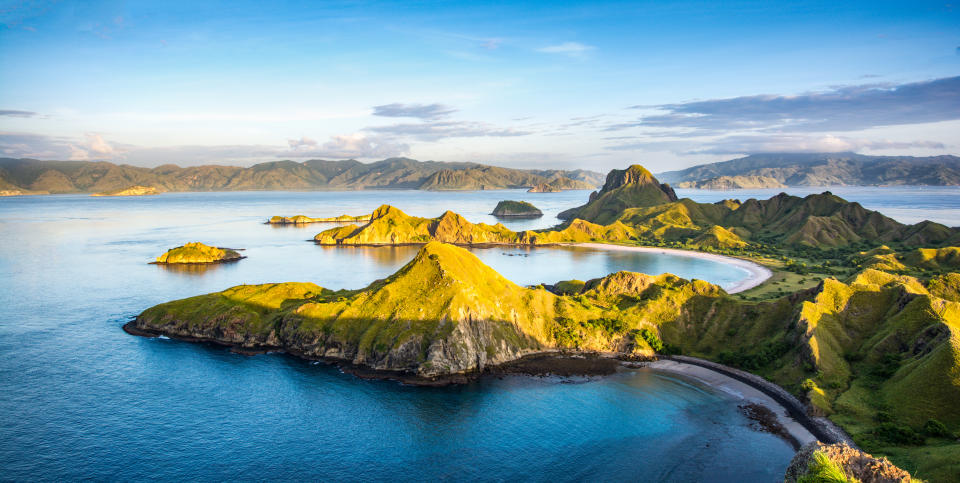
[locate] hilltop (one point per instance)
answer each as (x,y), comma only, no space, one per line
(877,353)
(828,169)
(25,176)
(633,206)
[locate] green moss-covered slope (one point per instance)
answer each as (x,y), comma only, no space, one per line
(197,252)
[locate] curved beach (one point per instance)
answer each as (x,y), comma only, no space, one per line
(758,273)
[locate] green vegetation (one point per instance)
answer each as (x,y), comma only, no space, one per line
(198,253)
(823,470)
(516,208)
(32,176)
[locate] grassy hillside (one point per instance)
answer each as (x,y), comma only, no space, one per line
(395,173)
(830,169)
(878,353)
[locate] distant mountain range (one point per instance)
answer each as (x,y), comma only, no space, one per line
(821,169)
(31,176)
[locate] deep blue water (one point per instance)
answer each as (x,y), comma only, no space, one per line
(79,398)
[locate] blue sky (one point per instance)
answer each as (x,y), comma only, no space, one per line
(533,84)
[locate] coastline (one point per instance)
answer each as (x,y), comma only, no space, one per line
(758,273)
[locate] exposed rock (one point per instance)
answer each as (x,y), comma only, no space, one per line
(854,463)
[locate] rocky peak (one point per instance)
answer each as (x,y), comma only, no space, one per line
(634,174)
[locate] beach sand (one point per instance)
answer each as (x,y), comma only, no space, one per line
(758,273)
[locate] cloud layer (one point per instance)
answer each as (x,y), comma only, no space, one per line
(848,108)
(420,111)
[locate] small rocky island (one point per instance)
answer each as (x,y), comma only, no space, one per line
(303,219)
(516,209)
(544,188)
(131,191)
(197,253)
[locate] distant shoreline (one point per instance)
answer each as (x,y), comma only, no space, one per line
(758,273)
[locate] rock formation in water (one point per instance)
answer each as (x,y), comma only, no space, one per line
(303,219)
(131,191)
(519,209)
(198,253)
(544,188)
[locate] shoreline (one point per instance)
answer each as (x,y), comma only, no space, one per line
(757,273)
(799,427)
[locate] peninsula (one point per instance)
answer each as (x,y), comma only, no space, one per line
(197,252)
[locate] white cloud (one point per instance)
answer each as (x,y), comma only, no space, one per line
(354,145)
(95,147)
(570,49)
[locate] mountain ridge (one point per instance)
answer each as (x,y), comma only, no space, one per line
(829,169)
(34,176)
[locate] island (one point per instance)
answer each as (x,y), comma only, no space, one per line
(197,253)
(303,219)
(131,191)
(857,330)
(544,188)
(516,209)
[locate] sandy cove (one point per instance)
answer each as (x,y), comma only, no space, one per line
(758,273)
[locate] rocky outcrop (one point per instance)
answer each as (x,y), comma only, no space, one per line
(854,463)
(131,191)
(624,188)
(519,209)
(197,252)
(543,188)
(304,220)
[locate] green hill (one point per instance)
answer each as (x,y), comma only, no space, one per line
(634,207)
(878,353)
(829,169)
(29,175)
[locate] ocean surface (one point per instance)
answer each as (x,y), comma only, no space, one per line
(81,399)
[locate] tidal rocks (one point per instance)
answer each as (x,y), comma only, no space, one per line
(517,209)
(198,253)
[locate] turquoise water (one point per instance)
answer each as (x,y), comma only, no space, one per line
(79,398)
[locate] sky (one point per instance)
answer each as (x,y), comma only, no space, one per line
(593,85)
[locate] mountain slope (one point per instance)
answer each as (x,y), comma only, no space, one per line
(394,173)
(829,169)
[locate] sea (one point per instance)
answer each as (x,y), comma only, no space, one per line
(81,399)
